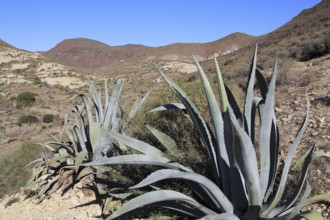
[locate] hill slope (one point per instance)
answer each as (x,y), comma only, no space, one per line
(92,55)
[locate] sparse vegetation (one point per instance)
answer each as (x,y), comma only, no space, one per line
(25,99)
(88,139)
(13,171)
(298,41)
(48,118)
(27,119)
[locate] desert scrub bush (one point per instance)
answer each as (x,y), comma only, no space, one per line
(184,146)
(23,129)
(242,187)
(228,62)
(25,99)
(48,118)
(13,171)
(315,48)
(27,119)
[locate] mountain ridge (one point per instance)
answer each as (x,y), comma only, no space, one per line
(83,53)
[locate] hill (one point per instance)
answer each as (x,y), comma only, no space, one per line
(302,46)
(84,53)
(89,55)
(4,44)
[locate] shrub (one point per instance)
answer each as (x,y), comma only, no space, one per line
(191,78)
(25,99)
(228,62)
(48,118)
(36,81)
(13,171)
(315,48)
(27,119)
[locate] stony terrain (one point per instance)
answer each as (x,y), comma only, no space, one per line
(57,207)
(55,83)
(290,110)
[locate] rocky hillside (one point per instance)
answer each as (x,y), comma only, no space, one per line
(302,46)
(50,82)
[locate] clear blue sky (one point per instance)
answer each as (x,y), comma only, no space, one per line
(38,25)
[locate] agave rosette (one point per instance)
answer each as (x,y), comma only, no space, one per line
(87,139)
(241,188)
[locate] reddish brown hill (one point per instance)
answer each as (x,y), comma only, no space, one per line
(92,55)
(183,51)
(84,53)
(304,37)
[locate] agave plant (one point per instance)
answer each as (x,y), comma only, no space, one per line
(84,139)
(243,183)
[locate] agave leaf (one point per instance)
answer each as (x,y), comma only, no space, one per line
(299,163)
(44,145)
(111,108)
(136,144)
(84,172)
(87,102)
(221,151)
(158,196)
(238,196)
(45,189)
(97,101)
(215,112)
(120,195)
(169,106)
(221,199)
(54,138)
(164,139)
(137,105)
(262,84)
(73,97)
(246,159)
(79,159)
(266,116)
(233,104)
(310,215)
(137,159)
(223,216)
(274,149)
(302,179)
(80,139)
(222,88)
(116,103)
(116,123)
(300,204)
(182,208)
(63,129)
(39,160)
(199,122)
(249,93)
(80,123)
(288,161)
(293,198)
(106,95)
(318,198)
(99,140)
(256,104)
